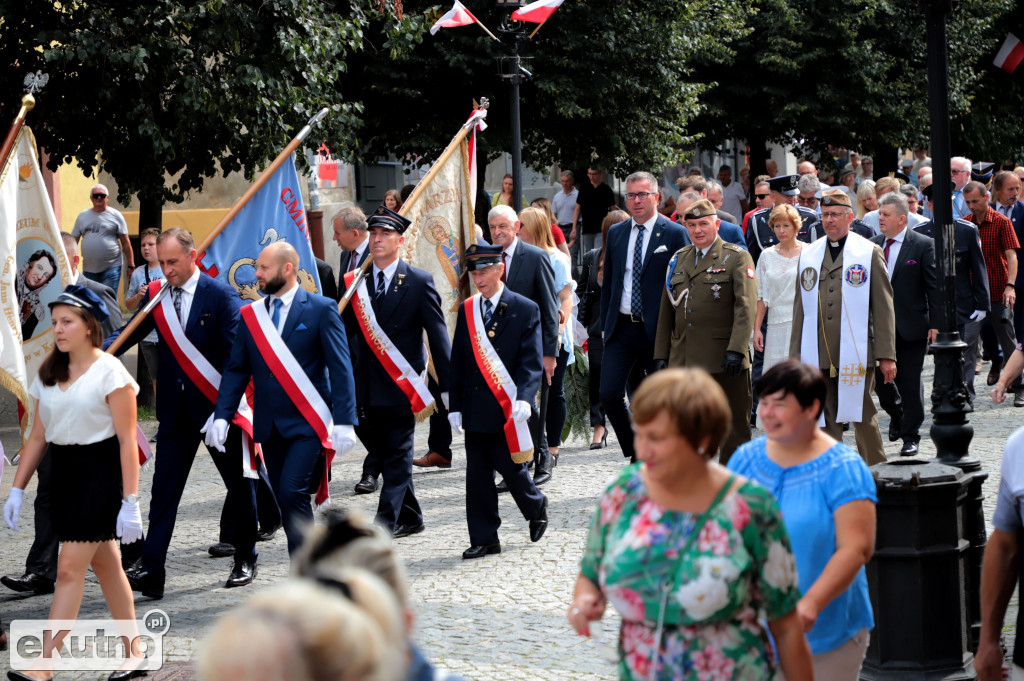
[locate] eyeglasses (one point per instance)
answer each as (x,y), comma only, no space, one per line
(99,196)
(960,172)
(833,215)
(640,195)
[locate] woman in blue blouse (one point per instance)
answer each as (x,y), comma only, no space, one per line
(827,498)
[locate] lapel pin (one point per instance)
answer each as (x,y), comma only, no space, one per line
(490,333)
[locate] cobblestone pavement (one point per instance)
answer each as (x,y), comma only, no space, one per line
(501,617)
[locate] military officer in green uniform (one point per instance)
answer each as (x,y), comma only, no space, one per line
(707,315)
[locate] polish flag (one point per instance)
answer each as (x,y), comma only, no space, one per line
(453,18)
(537,12)
(1010,54)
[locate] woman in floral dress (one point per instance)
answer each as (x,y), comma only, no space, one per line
(692,556)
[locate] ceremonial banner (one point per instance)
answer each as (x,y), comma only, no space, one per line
(33,272)
(275,213)
(442,222)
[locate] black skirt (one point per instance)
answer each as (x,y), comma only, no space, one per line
(86,490)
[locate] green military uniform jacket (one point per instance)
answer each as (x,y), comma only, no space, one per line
(716,301)
(881,318)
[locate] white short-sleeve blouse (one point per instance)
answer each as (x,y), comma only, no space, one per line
(80,415)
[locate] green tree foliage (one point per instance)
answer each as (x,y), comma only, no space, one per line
(612,81)
(150,87)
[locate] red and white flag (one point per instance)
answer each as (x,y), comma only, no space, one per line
(1010,54)
(537,12)
(453,18)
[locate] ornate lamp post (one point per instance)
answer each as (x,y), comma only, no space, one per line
(512,69)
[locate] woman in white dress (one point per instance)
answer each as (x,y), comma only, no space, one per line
(776,286)
(85,413)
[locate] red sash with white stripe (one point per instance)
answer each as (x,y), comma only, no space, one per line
(520,443)
(297,386)
(414,386)
(202,374)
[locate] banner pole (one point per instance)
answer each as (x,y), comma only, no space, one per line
(225,221)
(28,102)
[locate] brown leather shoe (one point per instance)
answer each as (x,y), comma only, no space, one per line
(993,373)
(432,459)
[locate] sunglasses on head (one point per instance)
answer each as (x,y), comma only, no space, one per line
(99,196)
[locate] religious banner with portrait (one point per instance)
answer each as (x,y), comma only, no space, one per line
(441,211)
(275,213)
(34,269)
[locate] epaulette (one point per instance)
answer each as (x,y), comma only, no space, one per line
(733,247)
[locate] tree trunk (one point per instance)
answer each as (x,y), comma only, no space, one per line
(150,212)
(758,146)
(886,159)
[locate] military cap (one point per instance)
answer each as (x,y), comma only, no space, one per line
(784,184)
(388,219)
(835,197)
(81,297)
(927,191)
(982,171)
(700,209)
(479,256)
(902,177)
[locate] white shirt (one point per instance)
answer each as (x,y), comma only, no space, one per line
(286,298)
(894,251)
(1004,210)
(626,301)
(871,220)
(389,274)
(563,205)
(81,415)
(509,253)
(493,299)
(731,198)
(188,292)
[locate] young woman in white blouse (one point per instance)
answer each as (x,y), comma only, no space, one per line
(85,412)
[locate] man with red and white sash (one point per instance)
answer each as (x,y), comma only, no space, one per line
(292,345)
(496,369)
(197,322)
(394,306)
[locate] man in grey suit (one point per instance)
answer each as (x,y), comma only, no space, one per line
(528,272)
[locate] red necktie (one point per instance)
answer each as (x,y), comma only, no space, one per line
(885,251)
(504,261)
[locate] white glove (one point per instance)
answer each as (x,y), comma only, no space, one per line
(343,438)
(455,418)
(444,400)
(520,411)
(216,434)
(978,315)
(129,522)
(12,509)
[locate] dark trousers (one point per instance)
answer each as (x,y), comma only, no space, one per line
(439,439)
(537,423)
(176,450)
(293,468)
(627,348)
(906,392)
(595,355)
(737,392)
(757,365)
(485,454)
(268,513)
(556,400)
(387,432)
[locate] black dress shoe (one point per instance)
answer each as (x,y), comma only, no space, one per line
(267,535)
(28,582)
(481,551)
(129,674)
(366,485)
(146,582)
(242,574)
(895,425)
(501,487)
(18,676)
(909,449)
(406,530)
(221,550)
(1018,399)
(539,524)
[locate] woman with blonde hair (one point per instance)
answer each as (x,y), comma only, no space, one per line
(536,230)
(776,285)
(866,199)
(556,231)
(695,558)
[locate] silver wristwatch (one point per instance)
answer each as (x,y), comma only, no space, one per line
(131,499)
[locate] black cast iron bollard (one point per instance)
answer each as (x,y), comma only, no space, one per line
(917,578)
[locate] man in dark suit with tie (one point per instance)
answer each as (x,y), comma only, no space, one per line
(528,271)
(328,287)
(404,306)
(350,233)
(910,259)
(208,312)
(311,334)
(972,292)
(636,259)
(513,332)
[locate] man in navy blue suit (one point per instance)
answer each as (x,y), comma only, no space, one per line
(208,311)
(636,259)
(303,336)
(402,305)
(508,342)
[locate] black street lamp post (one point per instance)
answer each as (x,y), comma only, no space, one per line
(512,68)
